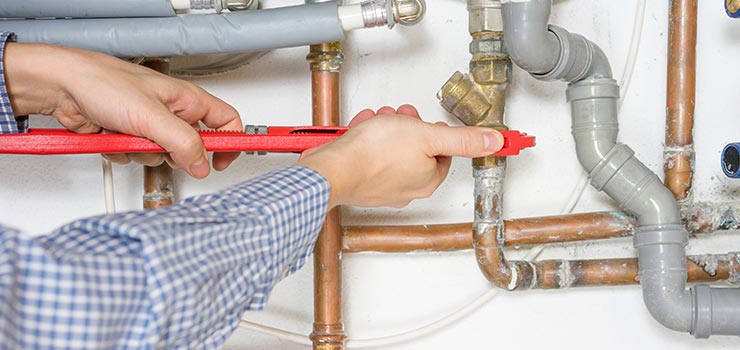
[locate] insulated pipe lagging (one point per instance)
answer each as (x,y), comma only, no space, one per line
(189,34)
(613,168)
(85,8)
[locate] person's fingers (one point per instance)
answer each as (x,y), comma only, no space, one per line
(222,160)
(178,138)
(408,110)
(221,116)
(443,167)
(118,158)
(386,110)
(364,115)
(148,159)
(79,125)
(463,141)
(441,123)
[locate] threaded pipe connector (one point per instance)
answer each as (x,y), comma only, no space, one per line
(376,13)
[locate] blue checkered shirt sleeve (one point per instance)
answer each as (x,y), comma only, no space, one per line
(173,278)
(9,124)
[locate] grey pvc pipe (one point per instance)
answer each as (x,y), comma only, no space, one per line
(527,39)
(613,168)
(85,8)
(188,34)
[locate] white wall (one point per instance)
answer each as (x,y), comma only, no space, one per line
(386,294)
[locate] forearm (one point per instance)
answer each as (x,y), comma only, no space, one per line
(8,121)
(33,77)
(176,277)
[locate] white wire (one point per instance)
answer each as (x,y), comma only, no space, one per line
(629,66)
(624,83)
(407,336)
(276,332)
(491,293)
(108,191)
(448,320)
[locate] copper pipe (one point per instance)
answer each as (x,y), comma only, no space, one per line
(328,329)
(518,232)
(681,94)
(559,274)
(158,186)
(158,181)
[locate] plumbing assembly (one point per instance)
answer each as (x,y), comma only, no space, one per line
(660,216)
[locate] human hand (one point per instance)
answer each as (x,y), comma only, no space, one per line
(393,157)
(87,92)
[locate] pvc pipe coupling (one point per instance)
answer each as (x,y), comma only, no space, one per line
(731,160)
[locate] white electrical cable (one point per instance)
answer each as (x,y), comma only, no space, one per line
(491,293)
(407,336)
(629,66)
(108,191)
(624,83)
(276,332)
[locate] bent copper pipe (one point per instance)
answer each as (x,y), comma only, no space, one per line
(681,94)
(158,181)
(328,330)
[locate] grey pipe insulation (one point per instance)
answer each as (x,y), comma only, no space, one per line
(114,9)
(189,34)
(552,53)
(85,8)
(194,34)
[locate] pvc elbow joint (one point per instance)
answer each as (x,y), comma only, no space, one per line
(579,59)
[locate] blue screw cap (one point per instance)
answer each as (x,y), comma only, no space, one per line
(731,160)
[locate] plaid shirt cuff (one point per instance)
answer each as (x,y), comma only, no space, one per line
(9,124)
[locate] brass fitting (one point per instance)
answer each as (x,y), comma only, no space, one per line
(326,57)
(733,5)
(478,98)
(409,12)
(490,64)
(464,99)
(484,15)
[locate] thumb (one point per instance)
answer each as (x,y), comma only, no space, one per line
(465,141)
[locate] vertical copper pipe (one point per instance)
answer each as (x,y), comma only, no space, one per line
(158,181)
(681,94)
(328,329)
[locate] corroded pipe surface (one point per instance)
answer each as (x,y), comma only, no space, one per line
(328,330)
(518,232)
(709,217)
(159,188)
(568,228)
(490,69)
(559,274)
(681,93)
(699,218)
